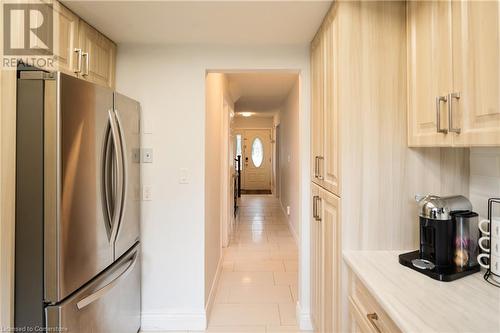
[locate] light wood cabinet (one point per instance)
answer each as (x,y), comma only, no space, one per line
(325,115)
(366,314)
(429,72)
(476,72)
(98,56)
(65,39)
(453,73)
(325,261)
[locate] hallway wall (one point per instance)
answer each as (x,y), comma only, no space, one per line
(215,157)
(169,81)
(289,155)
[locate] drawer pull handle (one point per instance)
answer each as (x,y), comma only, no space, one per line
(372,317)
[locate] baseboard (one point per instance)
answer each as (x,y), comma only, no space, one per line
(215,283)
(160,322)
(290,226)
(303,319)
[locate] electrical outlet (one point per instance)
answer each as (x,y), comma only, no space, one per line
(147,193)
(288,210)
(147,155)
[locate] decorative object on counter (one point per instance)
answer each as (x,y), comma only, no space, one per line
(448,238)
(491,253)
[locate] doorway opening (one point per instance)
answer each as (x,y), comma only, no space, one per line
(256,114)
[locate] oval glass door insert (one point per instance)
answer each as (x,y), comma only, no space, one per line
(257,152)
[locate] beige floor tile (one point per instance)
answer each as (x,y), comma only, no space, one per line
(291,265)
(235,329)
(285,278)
(260,266)
(287,314)
(246,278)
(254,294)
(295,292)
(244,315)
(227,266)
(279,329)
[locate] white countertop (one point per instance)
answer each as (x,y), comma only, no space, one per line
(417,303)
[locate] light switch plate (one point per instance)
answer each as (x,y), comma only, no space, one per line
(288,210)
(147,193)
(147,155)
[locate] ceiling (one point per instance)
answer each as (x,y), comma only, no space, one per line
(260,92)
(257,22)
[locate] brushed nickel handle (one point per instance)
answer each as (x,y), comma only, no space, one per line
(372,318)
(314,207)
(315,166)
(452,96)
(316,201)
(78,61)
(320,170)
(440,99)
(87,56)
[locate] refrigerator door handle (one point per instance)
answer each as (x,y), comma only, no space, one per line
(104,290)
(119,175)
(123,186)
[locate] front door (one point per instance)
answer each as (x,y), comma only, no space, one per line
(257,157)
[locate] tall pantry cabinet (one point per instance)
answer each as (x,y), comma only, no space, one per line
(325,196)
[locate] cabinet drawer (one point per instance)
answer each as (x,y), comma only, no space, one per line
(366,308)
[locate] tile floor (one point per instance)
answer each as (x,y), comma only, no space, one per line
(257,290)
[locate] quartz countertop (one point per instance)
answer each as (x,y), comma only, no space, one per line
(417,303)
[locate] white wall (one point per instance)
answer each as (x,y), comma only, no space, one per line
(484,179)
(289,158)
(253,122)
(216,174)
(169,81)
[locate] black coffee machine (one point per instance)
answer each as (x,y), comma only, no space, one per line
(448,238)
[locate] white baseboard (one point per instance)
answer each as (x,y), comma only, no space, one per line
(303,319)
(160,322)
(290,226)
(215,283)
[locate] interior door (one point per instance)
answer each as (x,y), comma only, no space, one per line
(430,73)
(79,234)
(127,115)
(257,159)
(476,65)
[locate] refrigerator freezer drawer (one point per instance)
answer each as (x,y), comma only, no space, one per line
(109,304)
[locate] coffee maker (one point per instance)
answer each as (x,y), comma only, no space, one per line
(448,238)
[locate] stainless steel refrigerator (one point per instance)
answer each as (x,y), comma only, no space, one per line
(77,258)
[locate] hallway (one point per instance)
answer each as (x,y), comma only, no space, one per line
(257,289)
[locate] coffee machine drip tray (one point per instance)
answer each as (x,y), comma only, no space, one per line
(412,260)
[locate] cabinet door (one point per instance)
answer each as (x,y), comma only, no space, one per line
(476,64)
(317,103)
(329,161)
(65,39)
(429,71)
(99,64)
(316,262)
(331,261)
